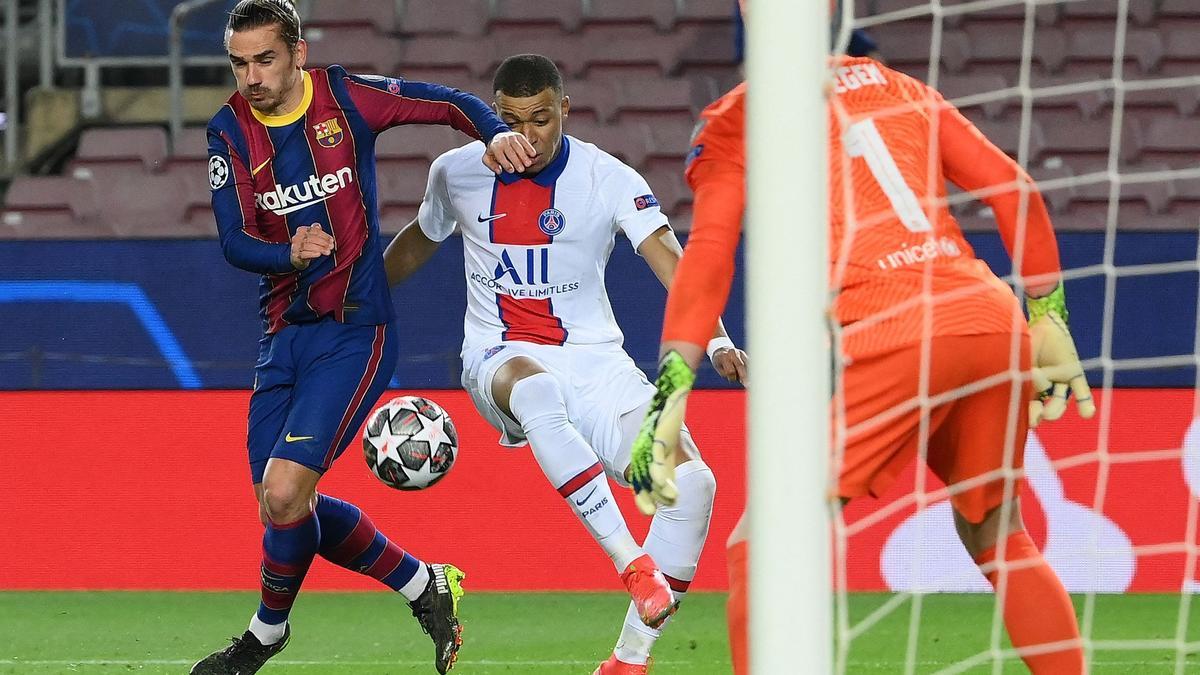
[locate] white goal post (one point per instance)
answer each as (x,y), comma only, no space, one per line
(787,269)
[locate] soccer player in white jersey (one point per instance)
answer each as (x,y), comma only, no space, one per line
(542,356)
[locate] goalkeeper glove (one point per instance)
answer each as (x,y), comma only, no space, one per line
(1056,369)
(652,458)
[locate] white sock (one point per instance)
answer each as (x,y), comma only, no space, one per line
(267,633)
(416,585)
(571,465)
(675,540)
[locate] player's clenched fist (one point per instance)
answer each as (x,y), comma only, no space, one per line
(509,151)
(652,458)
(309,243)
(1057,372)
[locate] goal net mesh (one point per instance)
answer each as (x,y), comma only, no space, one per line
(1100,101)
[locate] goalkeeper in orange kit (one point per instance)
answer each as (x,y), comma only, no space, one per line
(901,273)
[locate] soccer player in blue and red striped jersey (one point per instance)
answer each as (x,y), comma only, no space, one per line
(292,172)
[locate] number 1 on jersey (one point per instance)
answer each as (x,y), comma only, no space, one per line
(862,139)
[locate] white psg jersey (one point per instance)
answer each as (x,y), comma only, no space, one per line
(535,248)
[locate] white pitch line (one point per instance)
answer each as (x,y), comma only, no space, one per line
(182,662)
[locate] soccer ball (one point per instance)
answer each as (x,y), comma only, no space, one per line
(410,443)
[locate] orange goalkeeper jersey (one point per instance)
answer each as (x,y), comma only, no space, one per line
(900,267)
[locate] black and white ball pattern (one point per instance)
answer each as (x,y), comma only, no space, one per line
(410,443)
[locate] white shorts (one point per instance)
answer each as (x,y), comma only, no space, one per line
(607,396)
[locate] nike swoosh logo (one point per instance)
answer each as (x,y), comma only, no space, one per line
(292,439)
(255,170)
(489,219)
(589,496)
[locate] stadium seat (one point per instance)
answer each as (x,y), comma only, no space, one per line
(705,11)
(958,86)
(704,45)
(1044,14)
(146,205)
(191,146)
(445,17)
(1091,138)
(361,13)
(907,43)
(1002,42)
(1173,135)
(519,15)
(659,13)
(359,50)
(466,54)
(1006,135)
(1057,197)
(652,96)
(402,183)
(1143,12)
(417,141)
(629,47)
(667,183)
(50,207)
(145,146)
(1145,47)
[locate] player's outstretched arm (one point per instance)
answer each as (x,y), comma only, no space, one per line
(409,251)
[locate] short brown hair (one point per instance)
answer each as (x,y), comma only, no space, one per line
(250,14)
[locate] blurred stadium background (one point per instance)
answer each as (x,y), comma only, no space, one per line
(127,342)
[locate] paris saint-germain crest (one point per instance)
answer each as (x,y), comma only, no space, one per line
(329,133)
(551,222)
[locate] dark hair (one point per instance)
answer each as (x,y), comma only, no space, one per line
(527,75)
(249,14)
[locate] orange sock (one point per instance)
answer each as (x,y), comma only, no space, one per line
(736,610)
(1037,609)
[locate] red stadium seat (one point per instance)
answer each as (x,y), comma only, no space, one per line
(133,205)
(660,13)
(423,142)
(536,14)
(402,183)
(1057,197)
(359,50)
(1143,12)
(146,146)
(705,11)
(445,17)
(1145,47)
(907,43)
(465,54)
(1002,42)
(958,86)
(50,207)
(653,96)
(667,184)
(192,145)
(1173,135)
(363,13)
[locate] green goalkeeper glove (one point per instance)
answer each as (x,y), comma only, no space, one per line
(652,458)
(1056,369)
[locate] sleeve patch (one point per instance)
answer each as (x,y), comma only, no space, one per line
(218,172)
(693,155)
(644,202)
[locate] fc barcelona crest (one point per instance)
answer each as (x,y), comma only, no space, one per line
(329,134)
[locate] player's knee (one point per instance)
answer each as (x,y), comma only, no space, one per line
(537,401)
(285,501)
(696,480)
(997,524)
(508,375)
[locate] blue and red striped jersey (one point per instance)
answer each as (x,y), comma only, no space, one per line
(316,166)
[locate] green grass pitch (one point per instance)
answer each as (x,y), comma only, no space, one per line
(534,633)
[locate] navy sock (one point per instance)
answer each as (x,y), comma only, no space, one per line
(288,551)
(351,540)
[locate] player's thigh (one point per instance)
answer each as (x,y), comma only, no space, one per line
(608,403)
(982,439)
(480,366)
(271,400)
(877,417)
(629,424)
(342,372)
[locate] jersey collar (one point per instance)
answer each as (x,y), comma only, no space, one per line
(547,176)
(284,120)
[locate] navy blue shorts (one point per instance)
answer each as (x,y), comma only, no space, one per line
(314,385)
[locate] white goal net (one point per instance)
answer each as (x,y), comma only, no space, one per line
(1100,101)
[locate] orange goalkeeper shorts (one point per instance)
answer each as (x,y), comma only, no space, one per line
(968,433)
